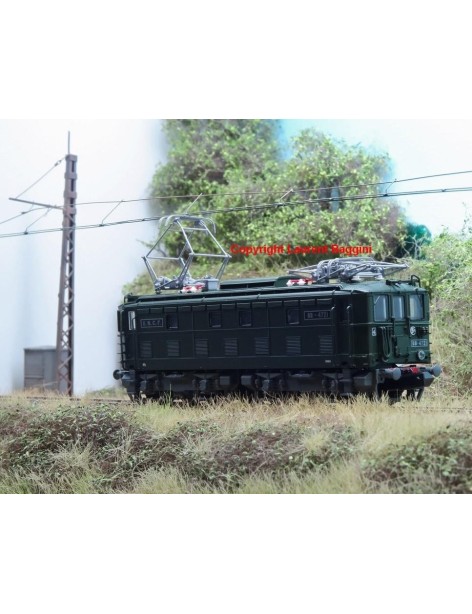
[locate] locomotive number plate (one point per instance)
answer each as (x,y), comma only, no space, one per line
(419,343)
(317,314)
(152,323)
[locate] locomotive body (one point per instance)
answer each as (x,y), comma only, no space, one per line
(278,335)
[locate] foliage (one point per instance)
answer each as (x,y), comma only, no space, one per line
(452,305)
(417,237)
(208,154)
(446,271)
(239,163)
(322,170)
(117,449)
(445,259)
(35,442)
(440,463)
(269,449)
(142,284)
(213,157)
(298,445)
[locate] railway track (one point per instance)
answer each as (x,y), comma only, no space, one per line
(64,398)
(120,401)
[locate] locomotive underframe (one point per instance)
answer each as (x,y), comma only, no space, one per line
(393,381)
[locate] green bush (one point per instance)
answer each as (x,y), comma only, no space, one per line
(240,164)
(118,447)
(446,271)
(441,463)
(263,448)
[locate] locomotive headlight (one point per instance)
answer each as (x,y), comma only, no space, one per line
(421,355)
(412,331)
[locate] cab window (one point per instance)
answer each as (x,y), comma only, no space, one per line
(293,316)
(214,318)
(245,318)
(398,307)
(416,307)
(172,321)
(380,308)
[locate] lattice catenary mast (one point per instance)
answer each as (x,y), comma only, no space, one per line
(65,315)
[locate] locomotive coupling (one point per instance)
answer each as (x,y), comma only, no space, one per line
(409,375)
(118,373)
(394,374)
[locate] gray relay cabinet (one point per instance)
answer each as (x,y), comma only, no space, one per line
(40,368)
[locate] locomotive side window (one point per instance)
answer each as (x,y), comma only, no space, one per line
(214,318)
(132,320)
(293,316)
(380,308)
(416,307)
(245,317)
(172,321)
(398,306)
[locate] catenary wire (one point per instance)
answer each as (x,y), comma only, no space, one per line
(44,214)
(263,192)
(30,210)
(388,183)
(248,208)
(42,177)
(110,212)
(10,219)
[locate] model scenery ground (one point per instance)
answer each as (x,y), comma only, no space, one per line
(304,445)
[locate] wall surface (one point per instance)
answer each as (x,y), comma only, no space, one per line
(116,160)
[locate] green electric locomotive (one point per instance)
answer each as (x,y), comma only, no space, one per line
(338,328)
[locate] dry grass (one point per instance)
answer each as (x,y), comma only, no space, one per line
(304,445)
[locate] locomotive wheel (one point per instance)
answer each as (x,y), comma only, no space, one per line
(394,396)
(137,398)
(414,395)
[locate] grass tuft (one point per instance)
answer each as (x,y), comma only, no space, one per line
(440,463)
(304,445)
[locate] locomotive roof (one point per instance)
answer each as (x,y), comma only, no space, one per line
(271,287)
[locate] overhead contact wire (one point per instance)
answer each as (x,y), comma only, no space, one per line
(262,192)
(247,193)
(251,208)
